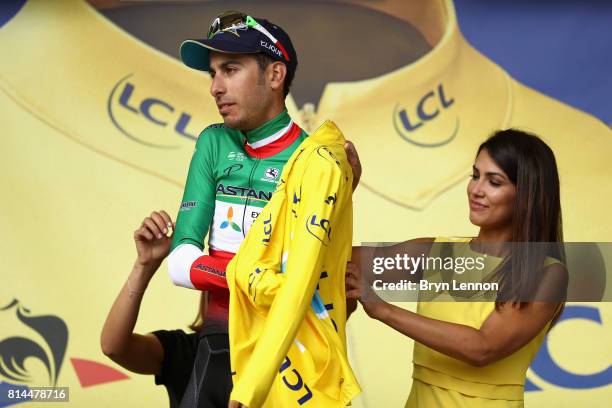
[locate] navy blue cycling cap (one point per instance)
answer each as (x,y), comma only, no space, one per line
(238,33)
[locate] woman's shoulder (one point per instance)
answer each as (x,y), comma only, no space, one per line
(555,263)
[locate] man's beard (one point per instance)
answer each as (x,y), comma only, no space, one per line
(255,119)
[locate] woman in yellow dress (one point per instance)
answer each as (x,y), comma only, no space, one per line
(476,353)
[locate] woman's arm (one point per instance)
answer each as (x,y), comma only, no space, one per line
(138,353)
(364,255)
(505,330)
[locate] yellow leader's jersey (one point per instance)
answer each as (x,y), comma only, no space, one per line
(287,300)
(98,129)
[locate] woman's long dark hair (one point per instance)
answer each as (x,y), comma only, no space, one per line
(531,166)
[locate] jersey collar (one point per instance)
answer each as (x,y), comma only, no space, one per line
(429,115)
(272,137)
(270,131)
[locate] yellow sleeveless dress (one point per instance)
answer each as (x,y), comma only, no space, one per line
(443,381)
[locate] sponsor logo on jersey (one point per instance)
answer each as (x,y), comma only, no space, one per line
(209,269)
(228,222)
(296,200)
(234,167)
(267,227)
(187,205)
(270,175)
(320,228)
(238,156)
(408,121)
(144,116)
(294,381)
(244,192)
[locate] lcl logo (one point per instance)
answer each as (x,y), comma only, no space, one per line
(127,110)
(411,124)
(548,370)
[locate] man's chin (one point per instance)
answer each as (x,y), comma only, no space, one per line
(237,125)
(233,123)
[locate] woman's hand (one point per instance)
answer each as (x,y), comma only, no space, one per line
(153,239)
(138,353)
(353,159)
(357,288)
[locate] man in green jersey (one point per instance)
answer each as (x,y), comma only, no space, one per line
(233,172)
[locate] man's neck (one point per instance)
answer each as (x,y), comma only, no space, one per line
(279,122)
(272,113)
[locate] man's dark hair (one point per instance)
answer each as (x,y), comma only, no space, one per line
(264,60)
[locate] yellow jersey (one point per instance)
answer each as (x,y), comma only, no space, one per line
(106,132)
(287,299)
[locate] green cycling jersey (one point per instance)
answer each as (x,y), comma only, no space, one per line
(231,178)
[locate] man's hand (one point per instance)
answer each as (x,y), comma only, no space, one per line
(353,159)
(153,239)
(236,404)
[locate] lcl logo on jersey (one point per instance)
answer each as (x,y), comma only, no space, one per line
(408,121)
(147,119)
(320,228)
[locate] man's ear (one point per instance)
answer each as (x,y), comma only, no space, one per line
(277,71)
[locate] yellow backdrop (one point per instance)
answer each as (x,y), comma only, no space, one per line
(98,129)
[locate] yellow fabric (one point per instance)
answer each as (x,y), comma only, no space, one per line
(76,186)
(427,395)
(305,231)
(409,191)
(501,380)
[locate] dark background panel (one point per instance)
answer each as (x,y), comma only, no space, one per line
(562,48)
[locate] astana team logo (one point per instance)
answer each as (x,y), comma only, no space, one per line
(229,222)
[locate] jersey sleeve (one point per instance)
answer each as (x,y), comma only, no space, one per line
(198,204)
(196,211)
(293,294)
